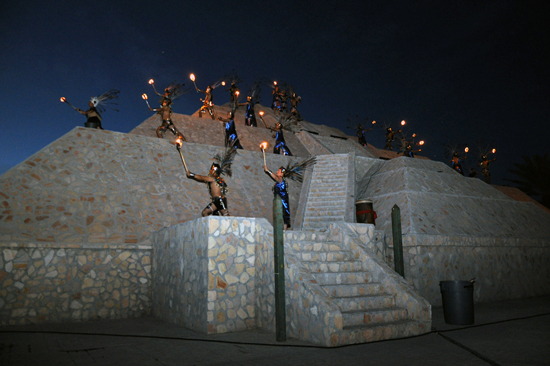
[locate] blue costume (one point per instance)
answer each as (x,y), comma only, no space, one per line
(231,134)
(250,115)
(456,165)
(280,145)
(280,189)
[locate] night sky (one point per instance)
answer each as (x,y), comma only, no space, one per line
(457,71)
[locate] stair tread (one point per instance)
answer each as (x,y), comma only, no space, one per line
(374,310)
(376,325)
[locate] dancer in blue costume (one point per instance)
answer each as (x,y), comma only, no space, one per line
(231,138)
(280,144)
(280,188)
(250,114)
(294,172)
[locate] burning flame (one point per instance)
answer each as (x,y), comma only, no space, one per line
(414,134)
(494,151)
(144,96)
(237,93)
(421,142)
(274,83)
(373,122)
(223,83)
(261,113)
(63,99)
(192,77)
(179,142)
(263,145)
(466,149)
(403,123)
(151,81)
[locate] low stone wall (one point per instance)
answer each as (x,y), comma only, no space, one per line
(205,274)
(53,282)
(504,268)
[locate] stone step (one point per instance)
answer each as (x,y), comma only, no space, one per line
(324,219)
(328,189)
(316,226)
(325,180)
(377,332)
(329,256)
(337,266)
(331,212)
(327,201)
(365,303)
(345,278)
(345,290)
(373,316)
(312,246)
(307,236)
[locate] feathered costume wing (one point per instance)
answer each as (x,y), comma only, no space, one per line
(296,171)
(285,120)
(225,160)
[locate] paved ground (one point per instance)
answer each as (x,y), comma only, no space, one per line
(515,332)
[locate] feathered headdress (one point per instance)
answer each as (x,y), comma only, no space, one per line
(254,92)
(285,120)
(224,161)
(105,100)
(296,171)
(454,149)
(232,77)
(357,124)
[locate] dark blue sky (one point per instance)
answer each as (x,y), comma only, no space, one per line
(460,71)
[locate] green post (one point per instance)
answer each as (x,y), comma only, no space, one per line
(279,254)
(397,240)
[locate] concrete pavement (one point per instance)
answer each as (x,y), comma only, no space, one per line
(513,332)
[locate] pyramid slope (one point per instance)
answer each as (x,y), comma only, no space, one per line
(93,186)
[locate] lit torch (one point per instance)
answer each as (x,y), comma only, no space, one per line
(373,122)
(144,96)
(274,83)
(64,100)
(421,142)
(263,146)
(223,83)
(403,123)
(179,144)
(466,149)
(192,77)
(152,83)
(494,151)
(262,118)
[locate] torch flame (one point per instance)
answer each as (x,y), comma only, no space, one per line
(144,96)
(179,142)
(223,83)
(274,83)
(403,123)
(466,149)
(414,134)
(263,145)
(261,113)
(494,151)
(151,81)
(373,122)
(192,77)
(237,93)
(421,142)
(63,99)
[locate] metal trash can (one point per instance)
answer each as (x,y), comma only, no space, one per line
(458,301)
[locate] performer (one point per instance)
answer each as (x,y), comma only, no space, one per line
(166,114)
(484,164)
(456,163)
(276,103)
(96,105)
(294,100)
(283,97)
(232,91)
(361,135)
(217,187)
(280,144)
(208,102)
(173,91)
(231,138)
(390,134)
(250,114)
(294,172)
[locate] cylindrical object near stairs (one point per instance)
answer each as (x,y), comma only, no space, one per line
(458,302)
(91,124)
(364,212)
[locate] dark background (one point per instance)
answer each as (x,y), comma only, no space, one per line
(457,71)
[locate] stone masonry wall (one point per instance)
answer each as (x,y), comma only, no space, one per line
(49,282)
(208,272)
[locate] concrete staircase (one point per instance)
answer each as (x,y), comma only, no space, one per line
(328,192)
(369,312)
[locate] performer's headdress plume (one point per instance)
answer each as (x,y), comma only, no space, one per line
(224,161)
(296,171)
(105,100)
